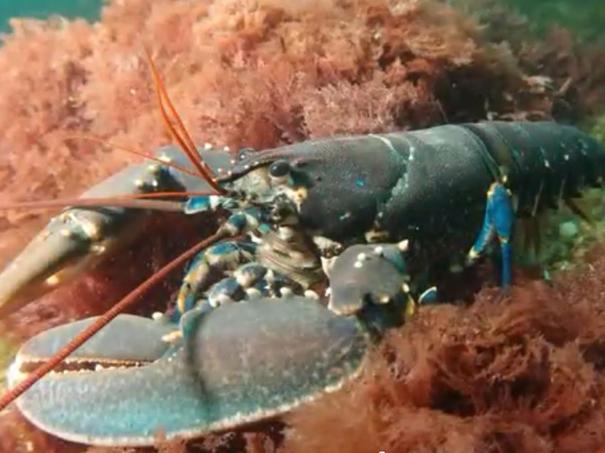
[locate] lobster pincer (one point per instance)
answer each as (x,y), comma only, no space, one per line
(229,366)
(216,377)
(80,238)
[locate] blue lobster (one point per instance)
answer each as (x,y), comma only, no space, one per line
(375,215)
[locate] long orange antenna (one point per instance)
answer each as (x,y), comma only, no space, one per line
(135,201)
(136,152)
(181,135)
(11,395)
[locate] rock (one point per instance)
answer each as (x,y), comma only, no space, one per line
(568,230)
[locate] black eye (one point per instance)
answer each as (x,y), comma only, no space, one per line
(279,168)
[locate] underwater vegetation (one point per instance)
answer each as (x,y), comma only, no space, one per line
(586,21)
(521,374)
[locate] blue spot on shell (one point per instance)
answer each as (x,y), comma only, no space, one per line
(360,182)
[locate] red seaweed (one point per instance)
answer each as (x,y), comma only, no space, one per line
(521,374)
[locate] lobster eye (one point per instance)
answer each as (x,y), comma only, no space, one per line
(279,169)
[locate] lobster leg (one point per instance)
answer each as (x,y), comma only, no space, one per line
(265,283)
(243,278)
(217,259)
(498,221)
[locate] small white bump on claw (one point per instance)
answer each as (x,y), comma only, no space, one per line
(98,249)
(165,158)
(404,245)
(173,337)
(53,280)
(220,299)
(384,299)
(285,291)
(153,168)
(90,229)
(253,293)
(285,233)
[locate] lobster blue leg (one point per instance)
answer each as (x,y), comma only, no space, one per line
(219,258)
(222,257)
(498,220)
(429,296)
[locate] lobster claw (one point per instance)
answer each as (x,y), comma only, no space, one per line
(80,238)
(237,364)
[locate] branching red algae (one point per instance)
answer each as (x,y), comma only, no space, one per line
(521,375)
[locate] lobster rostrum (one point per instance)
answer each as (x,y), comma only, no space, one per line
(374,215)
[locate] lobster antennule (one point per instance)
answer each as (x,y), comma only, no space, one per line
(180,135)
(12,394)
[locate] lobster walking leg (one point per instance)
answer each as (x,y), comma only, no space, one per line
(240,278)
(217,259)
(498,221)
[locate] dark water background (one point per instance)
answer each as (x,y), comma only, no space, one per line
(585,17)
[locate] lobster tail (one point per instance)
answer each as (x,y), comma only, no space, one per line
(542,162)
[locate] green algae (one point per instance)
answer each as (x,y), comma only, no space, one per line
(598,128)
(586,18)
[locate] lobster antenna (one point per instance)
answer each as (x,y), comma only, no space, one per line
(181,135)
(135,152)
(132,201)
(11,395)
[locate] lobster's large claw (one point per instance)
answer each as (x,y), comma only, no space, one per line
(237,364)
(81,238)
(128,339)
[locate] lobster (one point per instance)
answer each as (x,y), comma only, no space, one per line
(374,215)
